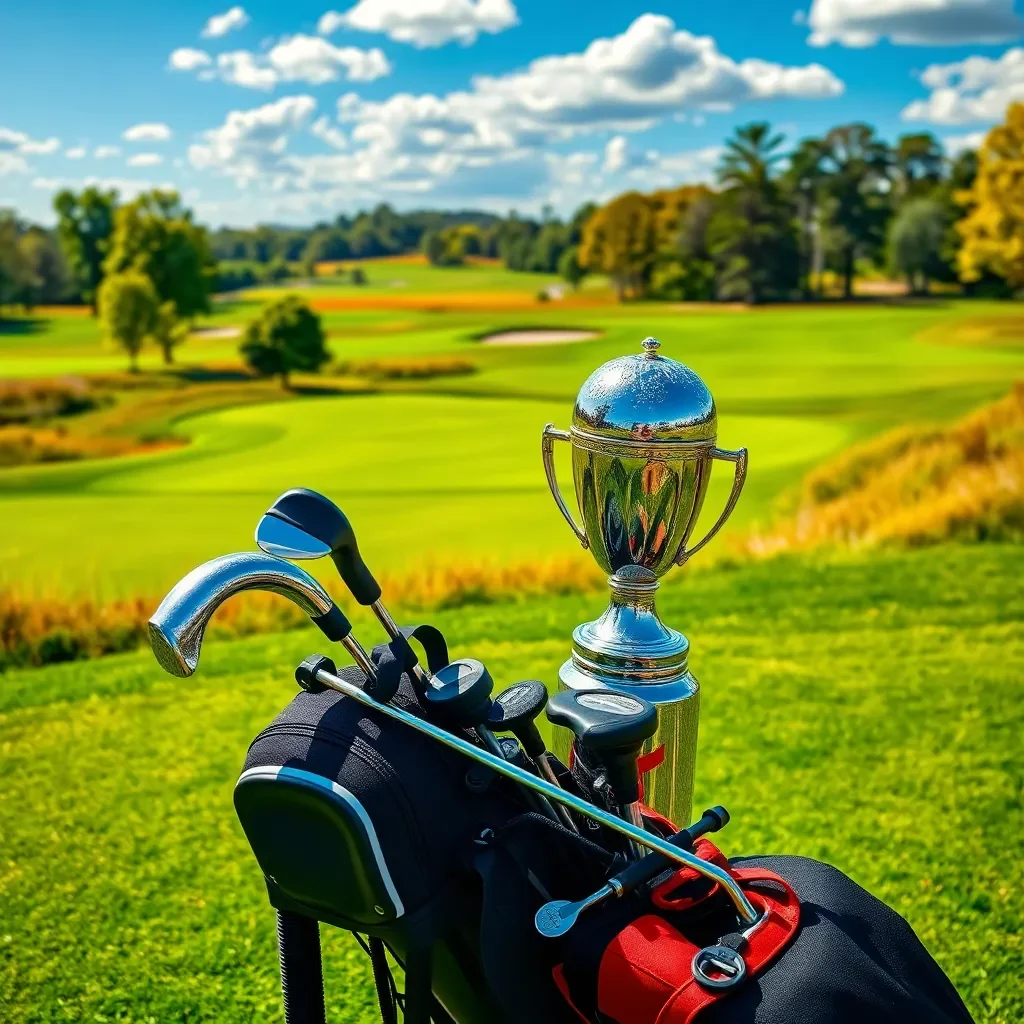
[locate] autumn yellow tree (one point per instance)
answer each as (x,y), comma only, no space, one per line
(993,226)
(620,240)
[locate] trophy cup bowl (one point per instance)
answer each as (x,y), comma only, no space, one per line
(643,440)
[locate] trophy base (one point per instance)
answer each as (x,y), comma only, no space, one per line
(631,650)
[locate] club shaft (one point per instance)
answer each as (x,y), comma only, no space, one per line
(359,656)
(392,629)
(544,767)
(744,908)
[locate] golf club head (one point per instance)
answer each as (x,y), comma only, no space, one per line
(556,918)
(303,524)
(177,627)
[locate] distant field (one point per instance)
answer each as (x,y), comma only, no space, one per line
(864,712)
(449,469)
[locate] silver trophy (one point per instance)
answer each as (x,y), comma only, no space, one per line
(643,442)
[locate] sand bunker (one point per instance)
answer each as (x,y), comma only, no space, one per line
(537,337)
(217,332)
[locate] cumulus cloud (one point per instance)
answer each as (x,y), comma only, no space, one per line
(149,131)
(424,23)
(186,58)
(106,152)
(222,24)
(977,89)
(75,153)
(326,132)
(251,144)
(40,147)
(298,58)
(127,188)
(145,160)
(15,146)
(956,144)
(912,22)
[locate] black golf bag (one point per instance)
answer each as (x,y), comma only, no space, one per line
(362,823)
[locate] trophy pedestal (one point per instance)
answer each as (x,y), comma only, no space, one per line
(631,650)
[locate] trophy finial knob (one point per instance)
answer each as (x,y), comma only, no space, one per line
(651,346)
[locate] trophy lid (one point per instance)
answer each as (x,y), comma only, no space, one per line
(645,397)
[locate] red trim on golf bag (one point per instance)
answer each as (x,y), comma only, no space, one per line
(646,972)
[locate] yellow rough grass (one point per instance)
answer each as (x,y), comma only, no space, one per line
(916,486)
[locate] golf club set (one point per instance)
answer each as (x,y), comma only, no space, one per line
(402,799)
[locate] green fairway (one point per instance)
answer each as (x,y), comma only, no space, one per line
(865,712)
(449,469)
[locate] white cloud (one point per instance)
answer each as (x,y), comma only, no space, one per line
(250,144)
(628,82)
(76,153)
(40,147)
(424,22)
(106,152)
(314,60)
(615,154)
(127,188)
(912,22)
(186,58)
(149,131)
(956,144)
(301,58)
(977,89)
(222,24)
(15,146)
(145,160)
(324,130)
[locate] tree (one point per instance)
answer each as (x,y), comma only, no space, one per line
(84,224)
(915,242)
(803,180)
(15,275)
(993,227)
(128,306)
(169,330)
(47,272)
(287,336)
(569,268)
(619,240)
(751,236)
(433,248)
(156,235)
(918,162)
(856,167)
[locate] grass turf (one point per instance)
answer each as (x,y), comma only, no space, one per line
(449,468)
(867,712)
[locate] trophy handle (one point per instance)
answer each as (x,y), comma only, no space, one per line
(547,450)
(740,459)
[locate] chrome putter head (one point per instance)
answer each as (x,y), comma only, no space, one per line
(177,627)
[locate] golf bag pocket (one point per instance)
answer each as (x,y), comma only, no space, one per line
(666,967)
(355,819)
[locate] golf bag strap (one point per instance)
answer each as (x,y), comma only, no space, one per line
(647,972)
(382,981)
(396,657)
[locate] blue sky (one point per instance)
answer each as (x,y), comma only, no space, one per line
(294,112)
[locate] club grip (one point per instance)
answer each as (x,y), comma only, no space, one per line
(352,569)
(644,869)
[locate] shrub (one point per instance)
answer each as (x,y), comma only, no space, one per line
(24,401)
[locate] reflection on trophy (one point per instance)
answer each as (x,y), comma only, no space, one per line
(643,442)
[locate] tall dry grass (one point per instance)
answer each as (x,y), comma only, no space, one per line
(916,485)
(402,369)
(39,631)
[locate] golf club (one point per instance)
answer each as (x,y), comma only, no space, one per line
(304,524)
(514,710)
(611,727)
(558,916)
(177,627)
